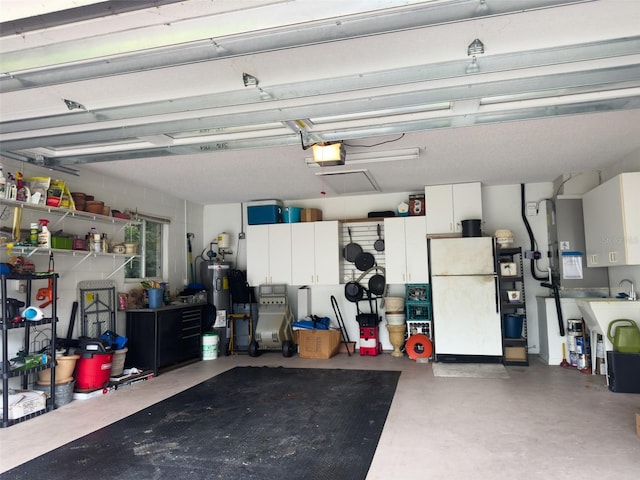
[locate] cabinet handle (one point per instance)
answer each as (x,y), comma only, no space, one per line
(613,257)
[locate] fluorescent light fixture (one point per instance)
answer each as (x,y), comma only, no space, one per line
(329,155)
(376,157)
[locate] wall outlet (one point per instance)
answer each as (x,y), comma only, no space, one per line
(532,209)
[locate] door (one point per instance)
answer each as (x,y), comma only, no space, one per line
(303,265)
(465,317)
(395,250)
(462,256)
(406,250)
(257,254)
(439,208)
(416,250)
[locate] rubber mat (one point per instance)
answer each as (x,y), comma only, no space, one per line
(247,423)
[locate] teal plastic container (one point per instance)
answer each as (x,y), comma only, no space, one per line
(291,214)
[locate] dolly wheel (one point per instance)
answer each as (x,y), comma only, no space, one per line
(287,348)
(253,349)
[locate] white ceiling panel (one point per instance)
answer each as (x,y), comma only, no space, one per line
(161,97)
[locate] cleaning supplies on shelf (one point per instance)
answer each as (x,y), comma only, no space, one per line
(44,237)
(33,239)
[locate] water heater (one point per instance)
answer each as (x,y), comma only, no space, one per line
(215,278)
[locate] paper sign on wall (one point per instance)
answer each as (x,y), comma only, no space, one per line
(572,265)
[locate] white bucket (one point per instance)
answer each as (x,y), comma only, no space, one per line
(395,318)
(210,346)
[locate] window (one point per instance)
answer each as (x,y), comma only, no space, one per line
(148,234)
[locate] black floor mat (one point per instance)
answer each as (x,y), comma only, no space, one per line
(247,423)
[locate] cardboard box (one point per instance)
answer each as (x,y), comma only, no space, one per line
(318,343)
(350,347)
(25,402)
(416,204)
(515,354)
(311,215)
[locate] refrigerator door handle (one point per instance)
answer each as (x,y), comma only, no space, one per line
(497,290)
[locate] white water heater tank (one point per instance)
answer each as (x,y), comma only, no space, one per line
(223,240)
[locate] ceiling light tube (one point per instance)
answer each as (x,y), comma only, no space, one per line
(376,157)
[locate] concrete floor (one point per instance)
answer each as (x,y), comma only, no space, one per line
(543,422)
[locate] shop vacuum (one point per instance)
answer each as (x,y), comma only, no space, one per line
(93,368)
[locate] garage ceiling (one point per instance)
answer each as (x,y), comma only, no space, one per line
(217,101)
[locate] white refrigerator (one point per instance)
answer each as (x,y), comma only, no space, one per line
(465,302)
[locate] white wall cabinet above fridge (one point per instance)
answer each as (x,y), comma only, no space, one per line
(406,250)
(448,205)
(269,254)
(612,222)
(315,253)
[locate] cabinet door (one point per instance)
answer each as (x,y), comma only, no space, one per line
(315,253)
(600,207)
(303,261)
(280,253)
(258,254)
(169,333)
(327,253)
(631,219)
(415,229)
(612,223)
(467,203)
(395,250)
(439,208)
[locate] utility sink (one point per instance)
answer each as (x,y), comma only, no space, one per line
(599,312)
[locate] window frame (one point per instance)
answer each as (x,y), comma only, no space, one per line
(161,251)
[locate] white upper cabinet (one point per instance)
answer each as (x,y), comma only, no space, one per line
(406,250)
(269,254)
(612,222)
(448,205)
(315,253)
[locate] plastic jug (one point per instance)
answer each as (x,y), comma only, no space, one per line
(625,339)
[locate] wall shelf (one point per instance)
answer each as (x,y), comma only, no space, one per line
(64,213)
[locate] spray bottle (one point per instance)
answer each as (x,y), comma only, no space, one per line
(44,237)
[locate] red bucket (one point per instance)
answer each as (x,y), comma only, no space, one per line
(93,370)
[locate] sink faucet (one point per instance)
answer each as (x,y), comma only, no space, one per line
(632,292)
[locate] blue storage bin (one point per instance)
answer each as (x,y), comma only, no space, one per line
(264,212)
(513,326)
(291,214)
